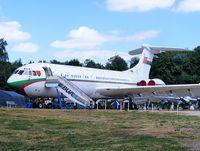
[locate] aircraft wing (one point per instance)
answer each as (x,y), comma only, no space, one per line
(164,90)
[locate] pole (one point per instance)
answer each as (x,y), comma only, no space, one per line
(177,108)
(128,107)
(59,98)
(120,106)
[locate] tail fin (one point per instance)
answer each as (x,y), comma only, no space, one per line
(142,69)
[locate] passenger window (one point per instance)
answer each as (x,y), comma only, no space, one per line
(20,72)
(38,73)
(26,72)
(34,73)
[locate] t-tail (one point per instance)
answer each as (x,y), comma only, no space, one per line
(142,69)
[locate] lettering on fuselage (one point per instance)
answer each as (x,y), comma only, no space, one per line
(68,90)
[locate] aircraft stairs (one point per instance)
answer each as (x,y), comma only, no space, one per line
(69,90)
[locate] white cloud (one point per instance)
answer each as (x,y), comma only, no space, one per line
(85,37)
(92,54)
(143,35)
(26,47)
(116,32)
(85,43)
(188,6)
(137,5)
(11,31)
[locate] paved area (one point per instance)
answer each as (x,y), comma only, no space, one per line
(192,113)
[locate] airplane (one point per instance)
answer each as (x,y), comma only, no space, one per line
(83,85)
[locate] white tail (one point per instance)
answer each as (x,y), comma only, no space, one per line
(142,69)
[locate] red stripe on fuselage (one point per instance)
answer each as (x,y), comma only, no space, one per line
(21,87)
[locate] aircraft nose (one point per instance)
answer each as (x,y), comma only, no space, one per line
(11,82)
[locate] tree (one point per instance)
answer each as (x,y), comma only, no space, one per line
(92,64)
(17,63)
(163,67)
(42,61)
(74,62)
(116,63)
(176,67)
(30,62)
(55,62)
(133,62)
(7,69)
(3,53)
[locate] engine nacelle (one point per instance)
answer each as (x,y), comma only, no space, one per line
(158,82)
(151,83)
(142,83)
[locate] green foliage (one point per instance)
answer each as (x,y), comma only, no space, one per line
(74,62)
(42,61)
(134,61)
(55,62)
(16,64)
(177,67)
(92,64)
(7,69)
(3,53)
(116,63)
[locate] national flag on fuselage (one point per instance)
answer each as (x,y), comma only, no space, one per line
(146,61)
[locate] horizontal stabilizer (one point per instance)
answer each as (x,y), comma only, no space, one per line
(155,50)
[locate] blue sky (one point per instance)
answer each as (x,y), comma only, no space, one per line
(95,29)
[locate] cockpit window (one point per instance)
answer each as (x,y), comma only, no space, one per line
(28,72)
(21,72)
(16,71)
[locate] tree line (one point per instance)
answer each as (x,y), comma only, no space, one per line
(171,67)
(177,67)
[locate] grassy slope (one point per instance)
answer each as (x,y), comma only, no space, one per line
(22,129)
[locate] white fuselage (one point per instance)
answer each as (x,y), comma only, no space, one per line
(87,79)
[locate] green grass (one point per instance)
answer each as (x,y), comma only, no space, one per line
(38,130)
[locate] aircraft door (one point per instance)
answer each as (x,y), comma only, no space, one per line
(48,71)
(27,72)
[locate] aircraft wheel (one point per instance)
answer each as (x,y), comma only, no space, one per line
(40,105)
